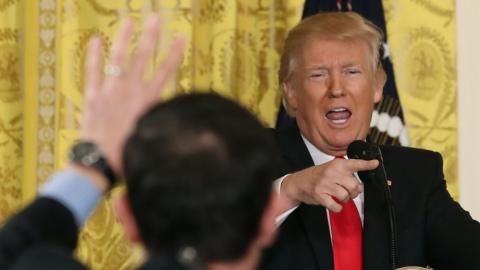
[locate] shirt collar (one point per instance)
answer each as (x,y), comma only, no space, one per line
(318,156)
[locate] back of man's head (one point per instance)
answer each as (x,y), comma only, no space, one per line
(199,171)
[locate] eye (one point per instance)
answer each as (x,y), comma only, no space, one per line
(353,71)
(318,75)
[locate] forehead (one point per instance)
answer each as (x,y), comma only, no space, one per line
(334,51)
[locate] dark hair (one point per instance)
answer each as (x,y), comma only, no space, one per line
(199,170)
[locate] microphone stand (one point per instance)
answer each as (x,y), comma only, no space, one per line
(390,209)
(369,151)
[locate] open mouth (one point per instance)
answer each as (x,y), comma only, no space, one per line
(339,115)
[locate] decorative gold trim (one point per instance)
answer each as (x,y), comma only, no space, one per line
(46,89)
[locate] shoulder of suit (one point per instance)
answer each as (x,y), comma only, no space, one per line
(410,152)
(406,149)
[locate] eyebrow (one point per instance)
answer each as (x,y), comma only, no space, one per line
(322,67)
(314,68)
(350,64)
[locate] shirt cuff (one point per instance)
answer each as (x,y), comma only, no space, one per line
(277,184)
(283,216)
(74,191)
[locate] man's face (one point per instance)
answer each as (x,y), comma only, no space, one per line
(333,89)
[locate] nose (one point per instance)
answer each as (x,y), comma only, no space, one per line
(335,87)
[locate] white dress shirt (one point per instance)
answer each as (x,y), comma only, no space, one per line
(318,158)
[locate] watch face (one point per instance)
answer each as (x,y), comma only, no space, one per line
(85,153)
(91,158)
(89,155)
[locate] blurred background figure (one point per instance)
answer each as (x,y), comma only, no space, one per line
(198,172)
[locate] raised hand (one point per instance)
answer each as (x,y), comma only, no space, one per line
(118,94)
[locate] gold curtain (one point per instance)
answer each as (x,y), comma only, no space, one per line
(233,49)
(422,36)
(11,108)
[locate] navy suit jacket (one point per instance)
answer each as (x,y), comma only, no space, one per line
(44,235)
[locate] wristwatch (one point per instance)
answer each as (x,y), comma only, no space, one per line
(88,154)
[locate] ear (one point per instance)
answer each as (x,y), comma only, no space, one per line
(268,227)
(127,219)
(290,95)
(379,83)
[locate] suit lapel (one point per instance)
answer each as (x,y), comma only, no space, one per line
(315,222)
(313,218)
(293,148)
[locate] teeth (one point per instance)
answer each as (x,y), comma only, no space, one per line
(339,109)
(339,121)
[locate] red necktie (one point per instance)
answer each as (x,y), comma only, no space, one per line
(346,229)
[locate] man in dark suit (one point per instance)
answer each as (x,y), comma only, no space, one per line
(331,78)
(198,172)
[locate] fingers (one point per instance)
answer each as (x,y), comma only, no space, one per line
(328,202)
(340,193)
(340,182)
(146,46)
(354,188)
(93,67)
(341,173)
(356,165)
(119,50)
(169,65)
(329,184)
(332,196)
(145,50)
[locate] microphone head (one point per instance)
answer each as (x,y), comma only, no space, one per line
(362,150)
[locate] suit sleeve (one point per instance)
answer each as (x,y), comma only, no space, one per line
(453,237)
(45,221)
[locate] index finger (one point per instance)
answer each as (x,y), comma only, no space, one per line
(356,165)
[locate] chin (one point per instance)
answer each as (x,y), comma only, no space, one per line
(342,142)
(340,145)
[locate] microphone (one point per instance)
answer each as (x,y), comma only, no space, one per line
(362,150)
(369,151)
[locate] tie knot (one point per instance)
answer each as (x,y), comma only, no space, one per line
(340,157)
